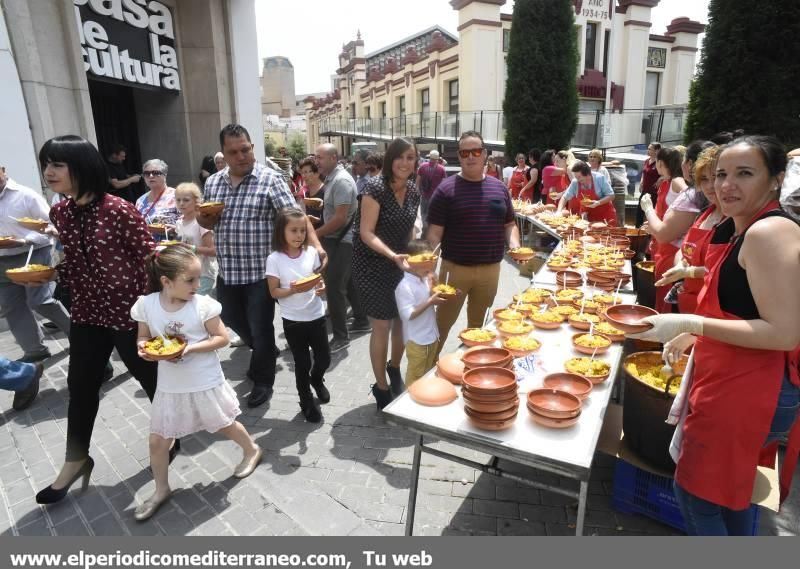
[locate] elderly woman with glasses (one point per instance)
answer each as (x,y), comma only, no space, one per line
(158,204)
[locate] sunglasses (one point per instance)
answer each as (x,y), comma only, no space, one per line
(152,173)
(476,152)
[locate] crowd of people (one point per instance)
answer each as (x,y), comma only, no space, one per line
(727,259)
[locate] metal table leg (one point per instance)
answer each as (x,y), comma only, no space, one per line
(412,491)
(581,507)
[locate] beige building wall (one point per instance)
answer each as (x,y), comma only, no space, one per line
(478,62)
(178,128)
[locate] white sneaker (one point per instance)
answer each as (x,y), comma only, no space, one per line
(236,341)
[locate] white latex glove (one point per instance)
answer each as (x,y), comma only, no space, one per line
(678,273)
(675,348)
(646,203)
(668,326)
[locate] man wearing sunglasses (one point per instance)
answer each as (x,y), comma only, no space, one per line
(472,217)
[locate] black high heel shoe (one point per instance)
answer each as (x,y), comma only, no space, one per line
(50,495)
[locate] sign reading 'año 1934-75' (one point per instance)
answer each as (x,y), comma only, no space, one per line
(128,41)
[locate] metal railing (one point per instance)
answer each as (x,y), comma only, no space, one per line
(628,128)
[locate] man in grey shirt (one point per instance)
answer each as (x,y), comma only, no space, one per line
(336,236)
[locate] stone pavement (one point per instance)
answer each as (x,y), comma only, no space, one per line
(346,476)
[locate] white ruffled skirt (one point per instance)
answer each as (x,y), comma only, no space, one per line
(176,415)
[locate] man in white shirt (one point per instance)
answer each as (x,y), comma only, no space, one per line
(17,302)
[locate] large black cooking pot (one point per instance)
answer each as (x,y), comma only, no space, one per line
(645,409)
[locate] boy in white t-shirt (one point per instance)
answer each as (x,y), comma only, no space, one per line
(415,304)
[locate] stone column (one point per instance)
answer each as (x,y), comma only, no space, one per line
(682,56)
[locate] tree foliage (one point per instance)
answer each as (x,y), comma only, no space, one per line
(541,99)
(296,147)
(749,71)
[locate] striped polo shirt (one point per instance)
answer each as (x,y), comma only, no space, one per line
(474,216)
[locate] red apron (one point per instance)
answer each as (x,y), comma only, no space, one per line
(693,249)
(663,253)
(517,182)
(732,401)
(605,212)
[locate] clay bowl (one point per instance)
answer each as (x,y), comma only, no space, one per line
(558,266)
(628,254)
(492,417)
(618,231)
(211,208)
(30,276)
(432,391)
(554,403)
(307,285)
(490,380)
(451,367)
(491,406)
(505,396)
(571,383)
(451,295)
(567,276)
(526,328)
(38,225)
(625,317)
(526,309)
(613,337)
(472,343)
(551,423)
(172,356)
(519,353)
(595,379)
(590,351)
(498,314)
(589,306)
(579,324)
(522,254)
(547,325)
(313,202)
(157,228)
(10,242)
(485,356)
(603,274)
(428,265)
(492,425)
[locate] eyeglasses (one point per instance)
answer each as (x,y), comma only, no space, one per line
(150,173)
(476,152)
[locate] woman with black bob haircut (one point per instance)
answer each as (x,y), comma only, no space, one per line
(387,209)
(87,168)
(105,243)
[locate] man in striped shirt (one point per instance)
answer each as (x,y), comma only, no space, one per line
(252,194)
(471,215)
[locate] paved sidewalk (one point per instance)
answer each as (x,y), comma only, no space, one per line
(346,476)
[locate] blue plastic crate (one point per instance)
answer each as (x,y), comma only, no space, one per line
(637,491)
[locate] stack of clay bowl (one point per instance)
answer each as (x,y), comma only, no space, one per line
(554,408)
(568,279)
(490,397)
(607,280)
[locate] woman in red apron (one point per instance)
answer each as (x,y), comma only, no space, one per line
(518,178)
(744,391)
(666,224)
(691,265)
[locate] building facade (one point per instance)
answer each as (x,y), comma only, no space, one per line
(159,77)
(433,84)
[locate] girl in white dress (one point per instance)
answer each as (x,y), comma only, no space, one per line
(192,394)
(188,199)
